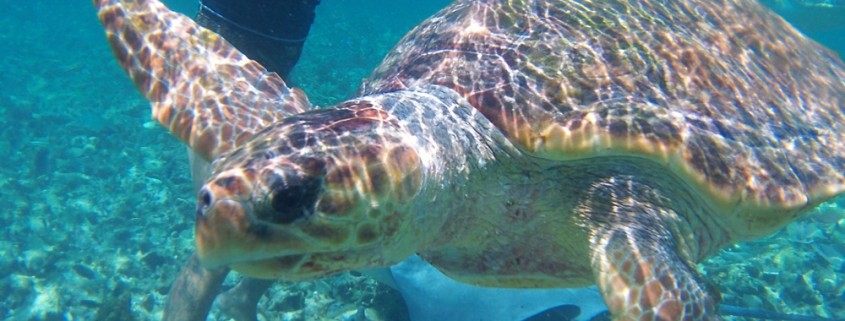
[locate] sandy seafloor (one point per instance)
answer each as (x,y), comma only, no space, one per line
(97,203)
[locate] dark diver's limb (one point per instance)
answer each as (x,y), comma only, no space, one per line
(270,32)
(193,292)
(241,302)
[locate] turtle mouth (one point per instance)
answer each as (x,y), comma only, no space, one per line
(295,267)
(227,231)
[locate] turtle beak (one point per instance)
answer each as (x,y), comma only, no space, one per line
(229,233)
(217,224)
(223,218)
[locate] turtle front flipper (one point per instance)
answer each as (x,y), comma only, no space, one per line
(641,264)
(201,88)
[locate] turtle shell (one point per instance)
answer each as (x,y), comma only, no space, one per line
(725,94)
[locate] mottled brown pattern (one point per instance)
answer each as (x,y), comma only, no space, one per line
(404,169)
(643,263)
(202,89)
(724,92)
(355,173)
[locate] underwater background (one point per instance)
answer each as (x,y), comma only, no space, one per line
(96,201)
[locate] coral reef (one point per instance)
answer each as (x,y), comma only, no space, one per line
(116,305)
(799,270)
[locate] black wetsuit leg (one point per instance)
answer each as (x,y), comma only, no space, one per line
(271,32)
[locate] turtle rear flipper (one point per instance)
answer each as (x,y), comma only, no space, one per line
(639,282)
(642,265)
(201,88)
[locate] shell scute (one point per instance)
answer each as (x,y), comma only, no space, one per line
(725,93)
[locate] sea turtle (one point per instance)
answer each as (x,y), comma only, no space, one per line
(546,143)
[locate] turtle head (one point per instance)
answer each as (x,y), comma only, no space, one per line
(319,193)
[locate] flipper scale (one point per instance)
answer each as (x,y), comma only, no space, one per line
(201,88)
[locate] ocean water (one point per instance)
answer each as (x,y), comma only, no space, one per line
(96,202)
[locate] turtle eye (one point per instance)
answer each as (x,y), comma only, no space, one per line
(293,200)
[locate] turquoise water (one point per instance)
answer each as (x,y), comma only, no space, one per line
(97,202)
